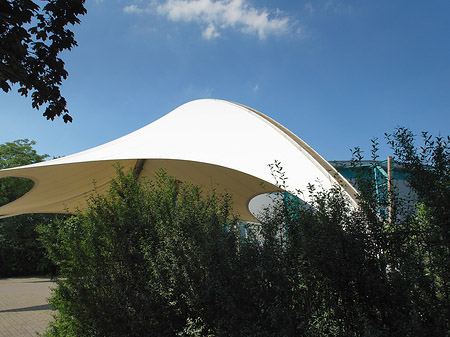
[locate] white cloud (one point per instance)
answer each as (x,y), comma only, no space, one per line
(215,15)
(210,32)
(133,9)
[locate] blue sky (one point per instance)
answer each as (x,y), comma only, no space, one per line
(337,73)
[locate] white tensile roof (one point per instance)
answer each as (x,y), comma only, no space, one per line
(213,143)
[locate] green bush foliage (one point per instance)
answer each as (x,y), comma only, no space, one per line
(21,253)
(163,258)
(149,258)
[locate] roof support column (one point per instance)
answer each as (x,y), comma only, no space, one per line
(138,167)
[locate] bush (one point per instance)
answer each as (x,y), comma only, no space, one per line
(149,258)
(164,258)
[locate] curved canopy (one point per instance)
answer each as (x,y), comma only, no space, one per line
(212,143)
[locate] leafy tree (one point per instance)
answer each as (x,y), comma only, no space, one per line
(12,154)
(31,39)
(20,251)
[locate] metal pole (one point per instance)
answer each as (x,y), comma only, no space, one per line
(389,169)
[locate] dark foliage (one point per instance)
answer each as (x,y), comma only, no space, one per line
(21,253)
(164,259)
(31,40)
(428,233)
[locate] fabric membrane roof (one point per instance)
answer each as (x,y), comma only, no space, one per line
(212,143)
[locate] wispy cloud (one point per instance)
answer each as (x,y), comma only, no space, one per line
(338,7)
(214,16)
(210,32)
(309,8)
(132,9)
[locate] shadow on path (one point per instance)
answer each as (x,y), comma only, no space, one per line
(33,308)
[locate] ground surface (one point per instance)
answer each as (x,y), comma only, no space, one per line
(24,310)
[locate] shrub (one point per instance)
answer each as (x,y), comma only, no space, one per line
(149,258)
(164,258)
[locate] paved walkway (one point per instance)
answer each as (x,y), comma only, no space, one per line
(24,310)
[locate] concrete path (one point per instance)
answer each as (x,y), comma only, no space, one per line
(24,310)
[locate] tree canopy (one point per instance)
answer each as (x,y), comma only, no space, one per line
(32,37)
(12,154)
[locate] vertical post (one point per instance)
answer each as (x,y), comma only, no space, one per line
(389,169)
(138,167)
